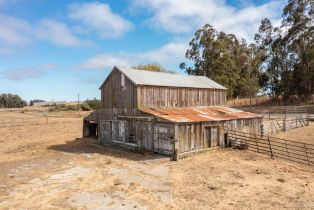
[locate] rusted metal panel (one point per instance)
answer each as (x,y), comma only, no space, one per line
(199,114)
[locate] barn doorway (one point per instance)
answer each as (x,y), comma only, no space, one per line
(211,137)
(90,129)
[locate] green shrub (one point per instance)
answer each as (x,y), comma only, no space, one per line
(64,107)
(94,103)
(11,101)
(85,107)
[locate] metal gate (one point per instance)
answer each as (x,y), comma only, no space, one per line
(274,147)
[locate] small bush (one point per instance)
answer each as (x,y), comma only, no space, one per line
(24,111)
(85,107)
(94,103)
(64,107)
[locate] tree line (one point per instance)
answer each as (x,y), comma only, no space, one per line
(279,63)
(11,101)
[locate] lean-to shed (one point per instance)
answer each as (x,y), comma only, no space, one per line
(164,112)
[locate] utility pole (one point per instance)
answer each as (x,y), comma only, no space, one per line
(78,104)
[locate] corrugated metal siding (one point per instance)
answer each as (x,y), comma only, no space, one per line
(142,77)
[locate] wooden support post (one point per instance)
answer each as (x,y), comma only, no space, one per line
(284,124)
(270,149)
(287,150)
(307,157)
(256,145)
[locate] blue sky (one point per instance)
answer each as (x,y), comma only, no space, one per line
(53,50)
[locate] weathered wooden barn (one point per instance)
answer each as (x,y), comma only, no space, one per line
(166,113)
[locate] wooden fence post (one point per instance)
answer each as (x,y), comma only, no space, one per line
(256,144)
(271,151)
(307,157)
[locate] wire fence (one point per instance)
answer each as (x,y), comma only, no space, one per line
(18,122)
(274,126)
(294,151)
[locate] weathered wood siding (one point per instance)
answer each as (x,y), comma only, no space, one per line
(125,99)
(117,98)
(196,136)
(151,135)
(152,96)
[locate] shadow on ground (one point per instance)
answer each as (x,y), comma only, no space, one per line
(90,146)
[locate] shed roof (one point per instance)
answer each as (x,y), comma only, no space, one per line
(199,114)
(142,77)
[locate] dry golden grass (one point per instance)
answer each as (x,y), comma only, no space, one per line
(304,134)
(52,167)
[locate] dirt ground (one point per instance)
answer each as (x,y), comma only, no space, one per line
(49,166)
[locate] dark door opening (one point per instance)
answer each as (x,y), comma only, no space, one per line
(90,129)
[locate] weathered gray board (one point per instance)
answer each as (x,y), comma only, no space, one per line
(158,137)
(120,96)
(202,135)
(161,136)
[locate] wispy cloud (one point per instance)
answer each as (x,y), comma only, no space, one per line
(20,32)
(185,16)
(171,53)
(21,74)
(98,17)
(58,33)
(26,73)
(15,31)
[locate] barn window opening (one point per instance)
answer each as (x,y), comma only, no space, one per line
(131,138)
(123,82)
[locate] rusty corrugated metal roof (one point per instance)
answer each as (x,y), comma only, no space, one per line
(198,114)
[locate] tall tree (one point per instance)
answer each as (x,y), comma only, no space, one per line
(225,59)
(288,64)
(152,67)
(299,23)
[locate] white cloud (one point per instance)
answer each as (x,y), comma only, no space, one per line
(20,74)
(57,33)
(185,16)
(15,31)
(107,61)
(169,54)
(20,32)
(98,17)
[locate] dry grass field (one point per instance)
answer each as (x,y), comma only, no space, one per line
(49,166)
(304,134)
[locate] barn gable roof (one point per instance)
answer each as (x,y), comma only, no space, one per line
(142,77)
